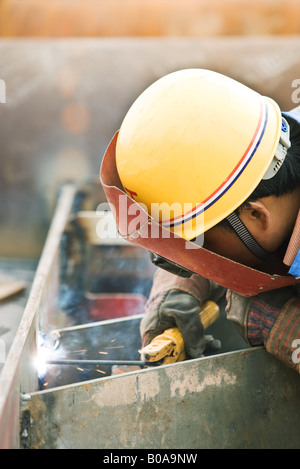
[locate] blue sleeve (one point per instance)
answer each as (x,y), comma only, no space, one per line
(293,119)
(295,267)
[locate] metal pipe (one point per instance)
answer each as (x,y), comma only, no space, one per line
(95,362)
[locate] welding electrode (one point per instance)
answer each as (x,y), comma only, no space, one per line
(168,347)
(66,361)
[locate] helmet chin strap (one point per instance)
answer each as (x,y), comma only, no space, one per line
(246,237)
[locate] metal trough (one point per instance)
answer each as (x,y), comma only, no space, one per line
(240,398)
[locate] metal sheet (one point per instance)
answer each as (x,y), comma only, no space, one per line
(243,399)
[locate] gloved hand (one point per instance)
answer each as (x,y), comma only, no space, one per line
(179,309)
(255,316)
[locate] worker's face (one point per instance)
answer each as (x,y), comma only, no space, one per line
(227,244)
(270,221)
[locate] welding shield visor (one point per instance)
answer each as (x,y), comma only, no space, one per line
(172,252)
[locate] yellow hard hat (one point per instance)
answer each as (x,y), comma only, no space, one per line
(198,143)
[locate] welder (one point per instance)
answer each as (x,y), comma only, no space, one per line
(227,160)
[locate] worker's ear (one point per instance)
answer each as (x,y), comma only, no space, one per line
(255,213)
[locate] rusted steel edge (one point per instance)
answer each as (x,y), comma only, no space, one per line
(12,378)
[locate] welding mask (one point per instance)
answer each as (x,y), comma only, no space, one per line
(199,143)
(174,249)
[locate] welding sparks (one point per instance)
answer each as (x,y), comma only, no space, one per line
(115,346)
(50,352)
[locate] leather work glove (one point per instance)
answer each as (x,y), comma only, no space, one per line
(256,316)
(179,309)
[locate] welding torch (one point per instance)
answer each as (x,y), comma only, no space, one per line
(165,348)
(169,347)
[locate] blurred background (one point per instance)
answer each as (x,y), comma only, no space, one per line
(72,68)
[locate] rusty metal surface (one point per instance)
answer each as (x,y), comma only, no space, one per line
(66,98)
(239,400)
